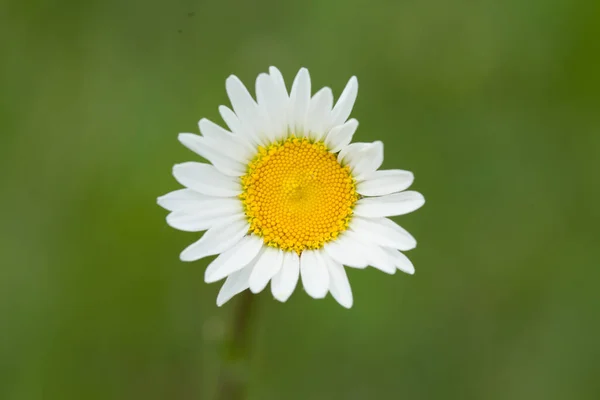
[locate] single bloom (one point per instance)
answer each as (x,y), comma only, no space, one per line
(285,195)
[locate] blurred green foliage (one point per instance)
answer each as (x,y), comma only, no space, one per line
(495,105)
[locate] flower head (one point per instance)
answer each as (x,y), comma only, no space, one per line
(286,195)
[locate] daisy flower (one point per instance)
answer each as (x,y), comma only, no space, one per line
(286,196)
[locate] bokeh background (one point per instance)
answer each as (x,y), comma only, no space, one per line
(495,105)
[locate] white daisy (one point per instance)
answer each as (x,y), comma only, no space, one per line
(286,195)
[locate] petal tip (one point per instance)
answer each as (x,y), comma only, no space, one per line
(185,137)
(222,300)
(184,257)
(210,278)
(347,305)
(281,297)
(204,121)
(420,200)
(254,287)
(178,166)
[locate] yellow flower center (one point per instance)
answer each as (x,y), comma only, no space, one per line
(297,196)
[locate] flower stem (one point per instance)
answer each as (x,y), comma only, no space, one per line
(233,379)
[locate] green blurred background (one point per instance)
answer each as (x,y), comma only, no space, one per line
(495,105)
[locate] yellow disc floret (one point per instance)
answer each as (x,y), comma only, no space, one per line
(297,196)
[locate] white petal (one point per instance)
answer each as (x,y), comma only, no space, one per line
(392,204)
(201,219)
(384,182)
(266,267)
(279,110)
(230,145)
(238,130)
(267,102)
(242,102)
(314,274)
(379,259)
(206,179)
(185,200)
(345,250)
(284,283)
(374,254)
(384,232)
(344,105)
(351,154)
(217,239)
(370,159)
(401,261)
(363,158)
(279,83)
(338,283)
(232,121)
(235,283)
(299,99)
(319,112)
(341,135)
(264,97)
(218,158)
(233,259)
(245,108)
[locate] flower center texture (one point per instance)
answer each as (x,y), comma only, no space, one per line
(297,196)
